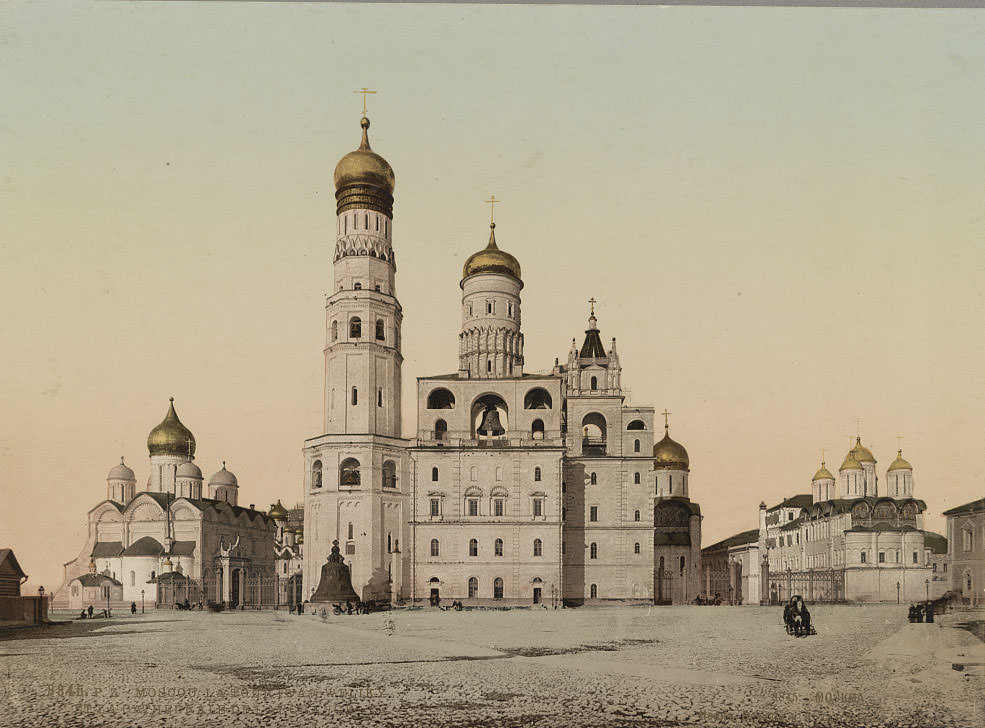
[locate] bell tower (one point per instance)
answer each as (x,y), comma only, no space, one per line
(356,470)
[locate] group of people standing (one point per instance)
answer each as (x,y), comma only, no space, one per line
(797,618)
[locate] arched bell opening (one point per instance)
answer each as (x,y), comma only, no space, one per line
(490,418)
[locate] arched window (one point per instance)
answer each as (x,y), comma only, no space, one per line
(593,551)
(355,396)
(380,330)
(350,531)
(594,479)
(434,474)
(593,590)
(537,474)
(440,429)
(636,547)
(636,516)
(636,478)
(473,473)
(379,398)
(441,399)
(537,398)
(389,474)
(498,547)
(473,587)
(355,328)
(349,473)
(636,445)
(335,331)
(473,547)
(152,574)
(435,549)
(682,566)
(389,543)
(497,588)
(133,578)
(316,474)
(636,425)
(538,547)
(537,430)
(357,286)
(594,383)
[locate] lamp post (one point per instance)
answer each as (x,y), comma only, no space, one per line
(141,601)
(41,605)
(107,601)
(926,583)
(897,592)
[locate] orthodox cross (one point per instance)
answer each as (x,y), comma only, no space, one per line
(666,414)
(364,91)
(858,428)
(592,302)
(823,450)
(189,441)
(899,442)
(492,206)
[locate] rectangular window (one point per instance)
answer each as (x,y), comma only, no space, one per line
(538,507)
(434,506)
(473,506)
(862,557)
(355,396)
(593,514)
(915,557)
(882,557)
(498,507)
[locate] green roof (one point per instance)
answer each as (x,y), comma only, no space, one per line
(739,539)
(973,507)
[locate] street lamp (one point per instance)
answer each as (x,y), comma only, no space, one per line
(897,592)
(107,601)
(141,601)
(41,596)
(927,584)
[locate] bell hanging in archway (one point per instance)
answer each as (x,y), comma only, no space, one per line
(490,422)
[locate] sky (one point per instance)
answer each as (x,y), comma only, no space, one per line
(779,212)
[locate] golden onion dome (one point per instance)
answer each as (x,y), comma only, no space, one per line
(850,462)
(171,437)
(491,260)
(861,453)
(363,179)
(669,455)
(899,463)
(278,511)
(823,474)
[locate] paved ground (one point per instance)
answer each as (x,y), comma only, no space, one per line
(617,666)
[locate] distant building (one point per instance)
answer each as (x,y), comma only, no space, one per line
(841,542)
(966,550)
(176,538)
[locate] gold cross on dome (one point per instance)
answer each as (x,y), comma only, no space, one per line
(364,91)
(592,303)
(492,206)
(666,415)
(823,450)
(858,428)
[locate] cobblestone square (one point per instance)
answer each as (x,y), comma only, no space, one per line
(614,666)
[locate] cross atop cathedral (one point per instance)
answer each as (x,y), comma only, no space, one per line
(823,450)
(492,207)
(592,303)
(189,442)
(364,91)
(858,428)
(666,415)
(899,442)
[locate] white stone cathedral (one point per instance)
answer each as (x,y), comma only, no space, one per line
(518,487)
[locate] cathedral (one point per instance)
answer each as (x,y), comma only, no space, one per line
(517,487)
(178,537)
(843,541)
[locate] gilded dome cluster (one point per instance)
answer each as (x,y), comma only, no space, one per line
(670,455)
(364,179)
(491,260)
(171,437)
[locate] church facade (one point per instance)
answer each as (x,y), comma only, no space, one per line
(176,538)
(846,540)
(517,487)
